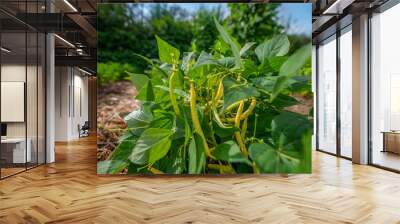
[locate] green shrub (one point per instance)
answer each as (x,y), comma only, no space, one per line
(214,113)
(111,72)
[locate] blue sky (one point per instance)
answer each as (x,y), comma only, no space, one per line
(300,16)
(297,14)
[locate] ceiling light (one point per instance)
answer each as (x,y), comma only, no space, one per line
(65,41)
(84,71)
(70,5)
(5,50)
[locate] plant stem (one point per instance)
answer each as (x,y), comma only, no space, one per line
(222,168)
(195,119)
(237,133)
(172,91)
(255,168)
(288,157)
(255,125)
(155,171)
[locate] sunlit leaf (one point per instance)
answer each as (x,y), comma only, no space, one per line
(111,166)
(151,146)
(139,119)
(205,59)
(246,47)
(296,61)
(229,40)
(166,52)
(276,46)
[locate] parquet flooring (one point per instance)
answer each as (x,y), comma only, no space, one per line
(69,191)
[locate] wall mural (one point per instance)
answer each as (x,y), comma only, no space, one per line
(204,88)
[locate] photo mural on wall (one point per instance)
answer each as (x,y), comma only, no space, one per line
(204,88)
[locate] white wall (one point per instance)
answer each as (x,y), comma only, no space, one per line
(33,126)
(71,102)
(12,73)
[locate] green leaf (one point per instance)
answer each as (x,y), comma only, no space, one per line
(178,92)
(111,166)
(281,83)
(144,58)
(291,125)
(282,101)
(246,47)
(296,61)
(276,46)
(300,83)
(230,152)
(271,160)
(148,60)
(139,80)
(250,68)
(151,146)
(173,163)
(225,132)
(166,52)
(265,84)
(176,165)
(229,40)
(197,158)
(227,62)
(205,59)
(276,62)
(124,149)
(235,91)
(306,155)
(265,157)
(139,120)
(137,169)
(164,121)
(146,93)
(264,119)
(187,61)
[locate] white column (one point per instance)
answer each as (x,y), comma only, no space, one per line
(50,94)
(360,90)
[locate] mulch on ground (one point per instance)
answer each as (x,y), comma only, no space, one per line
(114,102)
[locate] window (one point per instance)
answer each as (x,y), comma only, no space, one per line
(385,89)
(22,101)
(327,95)
(346,92)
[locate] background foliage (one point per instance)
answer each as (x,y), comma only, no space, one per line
(126,29)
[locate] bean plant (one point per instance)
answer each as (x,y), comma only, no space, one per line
(218,112)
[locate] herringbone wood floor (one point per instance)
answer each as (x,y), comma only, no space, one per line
(69,191)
